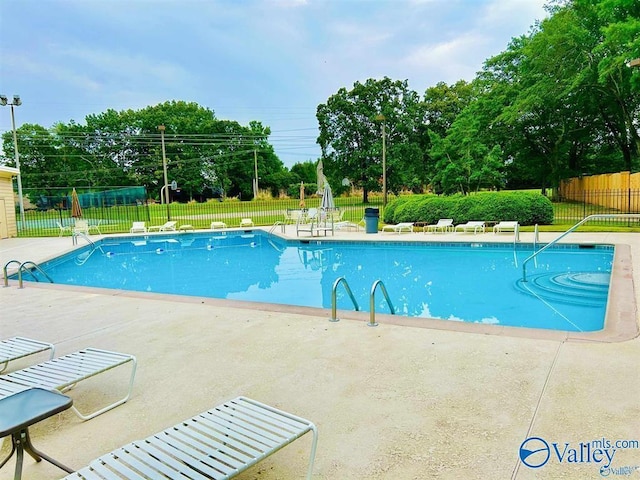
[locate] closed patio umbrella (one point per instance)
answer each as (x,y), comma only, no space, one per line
(321,178)
(327,202)
(76,209)
(301,194)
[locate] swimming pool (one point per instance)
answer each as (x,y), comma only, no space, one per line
(567,286)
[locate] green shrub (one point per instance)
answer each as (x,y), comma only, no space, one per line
(526,208)
(390,209)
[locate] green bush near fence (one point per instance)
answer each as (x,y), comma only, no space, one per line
(524,207)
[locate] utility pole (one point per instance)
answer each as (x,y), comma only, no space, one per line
(255,181)
(381,118)
(384,164)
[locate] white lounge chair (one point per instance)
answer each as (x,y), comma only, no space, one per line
(508,226)
(246,222)
(62,373)
(169,226)
(399,228)
(215,225)
(443,225)
(138,227)
(473,226)
(505,227)
(217,444)
(346,225)
(19,347)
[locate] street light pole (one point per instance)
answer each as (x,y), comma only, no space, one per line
(381,118)
(16,103)
(164,198)
(384,164)
(255,183)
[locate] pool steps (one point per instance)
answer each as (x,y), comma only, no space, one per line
(560,237)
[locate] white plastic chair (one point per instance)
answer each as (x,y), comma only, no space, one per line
(138,227)
(81,226)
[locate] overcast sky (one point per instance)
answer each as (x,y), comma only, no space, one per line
(269,60)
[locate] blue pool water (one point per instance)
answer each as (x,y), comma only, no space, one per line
(567,286)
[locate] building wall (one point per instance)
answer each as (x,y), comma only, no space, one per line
(9,212)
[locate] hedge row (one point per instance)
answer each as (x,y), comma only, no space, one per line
(524,207)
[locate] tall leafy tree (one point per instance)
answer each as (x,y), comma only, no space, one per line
(464,163)
(443,103)
(351,124)
(203,154)
(573,103)
(305,171)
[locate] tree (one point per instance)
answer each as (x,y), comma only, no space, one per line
(570,100)
(463,162)
(443,103)
(204,154)
(351,138)
(305,171)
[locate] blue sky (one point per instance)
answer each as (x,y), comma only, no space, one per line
(272,60)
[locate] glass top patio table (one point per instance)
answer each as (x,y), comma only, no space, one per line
(23,409)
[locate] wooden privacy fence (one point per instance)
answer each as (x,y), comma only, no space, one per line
(616,191)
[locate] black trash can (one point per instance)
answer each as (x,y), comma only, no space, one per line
(371,216)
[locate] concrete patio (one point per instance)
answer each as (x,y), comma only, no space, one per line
(391,402)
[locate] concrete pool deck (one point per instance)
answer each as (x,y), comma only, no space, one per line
(390,402)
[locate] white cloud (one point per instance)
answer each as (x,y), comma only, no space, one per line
(267,60)
(447,61)
(107,65)
(520,14)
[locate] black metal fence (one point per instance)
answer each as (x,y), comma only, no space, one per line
(118,218)
(589,202)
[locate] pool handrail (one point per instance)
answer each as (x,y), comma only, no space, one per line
(4,270)
(557,239)
(372,302)
(34,265)
(339,280)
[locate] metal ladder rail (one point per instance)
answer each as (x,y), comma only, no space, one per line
(83,235)
(275,247)
(340,280)
(4,270)
(372,303)
(276,224)
(94,247)
(33,265)
(83,260)
(581,222)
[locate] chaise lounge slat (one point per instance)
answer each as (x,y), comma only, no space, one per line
(63,372)
(20,347)
(217,444)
